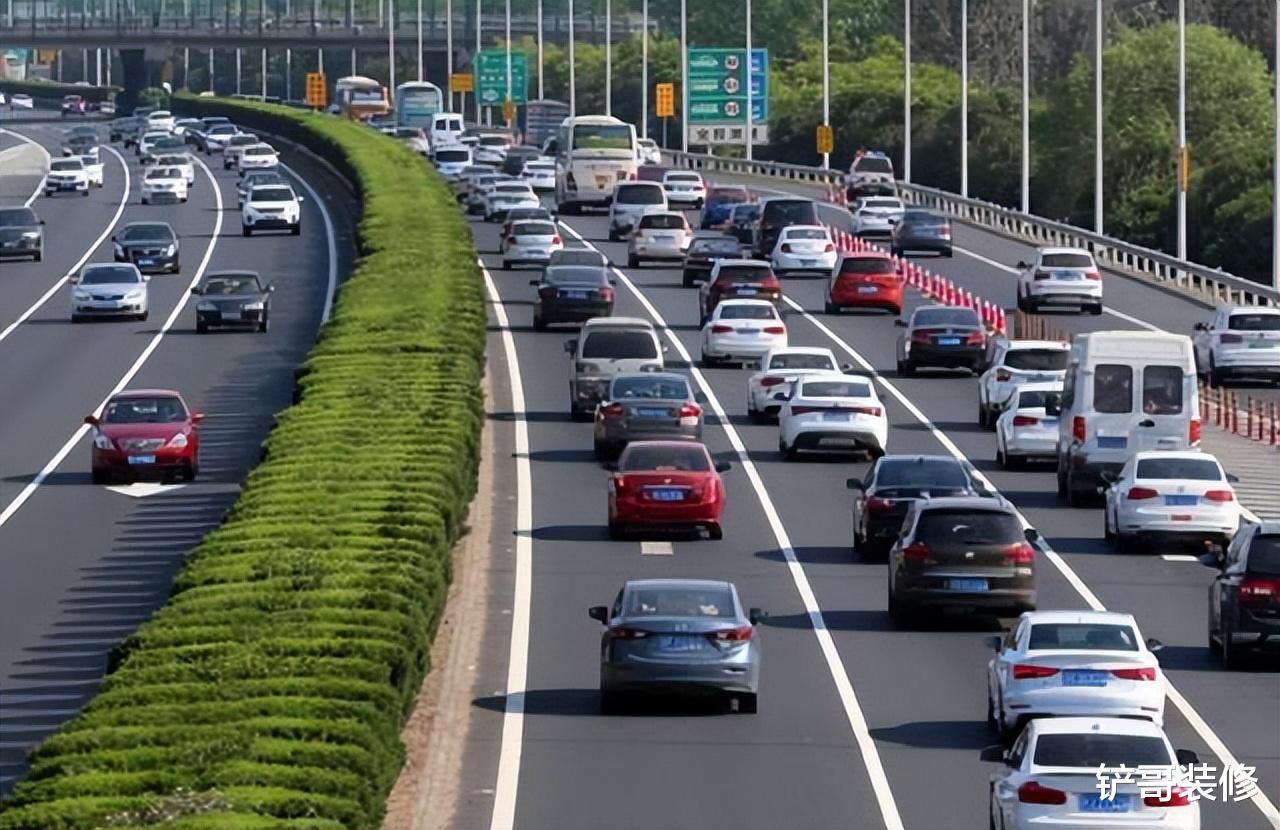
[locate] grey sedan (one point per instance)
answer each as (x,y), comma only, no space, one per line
(678,635)
(233,299)
(647,405)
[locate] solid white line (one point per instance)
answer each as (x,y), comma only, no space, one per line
(93,246)
(28,491)
(1178,557)
(656,549)
(844,686)
(508,781)
(329,236)
(47,159)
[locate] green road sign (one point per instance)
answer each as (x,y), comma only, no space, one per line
(718,86)
(491,77)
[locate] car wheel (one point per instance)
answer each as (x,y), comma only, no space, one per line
(37,256)
(76,318)
(829,307)
(1075,496)
(202,327)
(611,703)
(900,616)
(947,253)
(616,532)
(538,323)
(908,369)
(296,229)
(1215,647)
(789,452)
(992,726)
(1096,310)
(1216,377)
(506,265)
(715,532)
(633,261)
(748,703)
(265,324)
(1001,458)
(709,362)
(84,192)
(984,416)
(1022,303)
(245,230)
(1232,659)
(1108,535)
(101,476)
(189,472)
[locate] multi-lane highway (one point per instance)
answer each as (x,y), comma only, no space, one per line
(84,564)
(860,725)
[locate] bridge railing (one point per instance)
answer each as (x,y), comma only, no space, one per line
(1208,285)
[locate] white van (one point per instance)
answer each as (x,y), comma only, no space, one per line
(1124,391)
(446,130)
(608,346)
(631,202)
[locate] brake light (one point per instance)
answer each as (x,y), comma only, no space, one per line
(1020,554)
(739,634)
(548,291)
(806,410)
(721,329)
(1256,590)
(786,248)
(1078,428)
(555,240)
(1093,275)
(1033,792)
(875,504)
(627,634)
(606,294)
(1146,673)
(1230,338)
(613,410)
(916,550)
(873,411)
(944,230)
(1003,375)
(1025,420)
(829,247)
(1043,275)
(775,329)
(1140,493)
(619,484)
(690,410)
(1193,432)
(1029,671)
(977,338)
(1176,797)
(772,380)
(920,336)
(1220,495)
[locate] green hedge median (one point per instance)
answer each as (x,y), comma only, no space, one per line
(52,90)
(270,691)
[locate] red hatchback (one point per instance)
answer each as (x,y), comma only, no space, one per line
(865,280)
(738,279)
(666,485)
(145,432)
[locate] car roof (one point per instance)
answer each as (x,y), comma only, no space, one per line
(676,376)
(678,583)
(790,228)
(738,301)
(145,393)
(231,272)
(674,213)
(742,263)
(716,235)
(920,459)
(1082,616)
(1142,455)
(1060,345)
(1252,309)
(832,374)
(1269,527)
(1060,250)
(638,183)
(868,254)
(682,173)
(770,199)
(981,503)
(616,323)
(1105,726)
(800,350)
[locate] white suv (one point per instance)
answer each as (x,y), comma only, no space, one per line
(257,157)
(1060,277)
(1241,341)
(273,207)
(67,174)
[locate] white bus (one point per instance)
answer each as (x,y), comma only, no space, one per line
(593,153)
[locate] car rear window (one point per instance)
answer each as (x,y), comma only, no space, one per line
(1101,637)
(1195,469)
(747,312)
(835,389)
(945,317)
(578,275)
(873,164)
(1066,261)
(1113,388)
(746,213)
(453,156)
(801,361)
(806,233)
(619,345)
(1254,322)
(638,458)
(684,178)
(1162,390)
(968,527)
(743,274)
(680,602)
(1093,750)
(577,256)
(891,204)
(727,197)
(1264,554)
(921,472)
(922,217)
(534,229)
(627,388)
(867,265)
(790,212)
(664,222)
(727,246)
(1037,360)
(640,195)
(1032,398)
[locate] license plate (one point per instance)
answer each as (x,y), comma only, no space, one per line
(835,416)
(666,494)
(1097,804)
(1049,422)
(1081,677)
(651,413)
(231,315)
(602,182)
(1181,517)
(576,295)
(746,292)
(146,260)
(948,341)
(678,643)
(967,585)
(749,331)
(867,289)
(1260,344)
(142,459)
(1181,500)
(1069,275)
(809,262)
(1112,442)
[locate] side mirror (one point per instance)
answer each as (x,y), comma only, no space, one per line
(847,368)
(197,417)
(1022,264)
(613,282)
(993,754)
(196,290)
(993,642)
(1032,535)
(599,612)
(854,484)
(302,198)
(1154,645)
(91,420)
(571,345)
(756,616)
(1053,405)
(113,239)
(1186,757)
(666,349)
(723,466)
(146,278)
(535,282)
(1201,327)
(900,323)
(778,396)
(270,289)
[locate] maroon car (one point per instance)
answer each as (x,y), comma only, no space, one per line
(73,105)
(145,432)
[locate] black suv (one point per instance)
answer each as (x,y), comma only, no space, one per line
(892,484)
(777,213)
(1244,599)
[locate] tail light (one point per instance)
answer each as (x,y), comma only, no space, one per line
(977,338)
(1003,375)
(945,230)
(828,248)
(606,294)
(775,329)
(1220,495)
(1020,554)
(619,485)
(786,248)
(613,410)
(570,182)
(740,634)
(1257,590)
(1043,275)
(873,411)
(1141,493)
(719,329)
(1033,792)
(920,336)
(556,240)
(548,291)
(1093,275)
(1193,432)
(1030,671)
(772,380)
(875,504)
(690,410)
(623,633)
(1025,420)
(917,551)
(1176,797)
(807,410)
(1146,673)
(1230,338)
(1078,428)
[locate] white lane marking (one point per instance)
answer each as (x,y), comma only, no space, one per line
(93,246)
(35,194)
(35,483)
(142,489)
(1206,733)
(1179,557)
(835,664)
(330,236)
(656,549)
(508,781)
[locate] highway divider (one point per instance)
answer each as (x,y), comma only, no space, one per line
(269,692)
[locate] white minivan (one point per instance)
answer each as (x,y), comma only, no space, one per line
(1124,391)
(631,202)
(446,130)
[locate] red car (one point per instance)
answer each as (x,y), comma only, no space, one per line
(865,280)
(738,279)
(73,105)
(666,485)
(145,432)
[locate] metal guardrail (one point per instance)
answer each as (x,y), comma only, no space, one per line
(1207,285)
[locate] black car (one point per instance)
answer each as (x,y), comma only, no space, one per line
(152,246)
(21,233)
(79,145)
(165,146)
(513,163)
(948,337)
(572,294)
(742,223)
(890,487)
(117,128)
(921,231)
(703,251)
(1244,599)
(780,212)
(233,299)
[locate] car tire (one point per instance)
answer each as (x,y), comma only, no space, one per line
(1022,303)
(265,324)
(76,318)
(992,725)
(539,324)
(85,192)
(633,261)
(908,369)
(101,476)
(1216,377)
(1096,310)
(245,230)
(1108,535)
(611,703)
(1215,647)
(38,256)
(748,703)
(189,472)
(506,265)
(901,617)
(789,453)
(947,253)
(1232,658)
(202,327)
(829,307)
(617,533)
(708,362)
(142,318)
(296,229)
(984,416)
(715,532)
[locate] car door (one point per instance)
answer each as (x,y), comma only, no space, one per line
(1224,590)
(996,350)
(1005,781)
(1010,652)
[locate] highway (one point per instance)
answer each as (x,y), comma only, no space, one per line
(860,725)
(84,565)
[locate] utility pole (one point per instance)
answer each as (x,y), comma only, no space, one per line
(964,98)
(1026,106)
(608,57)
(644,68)
(541,86)
(391,45)
(906,93)
(750,118)
(1097,118)
(420,76)
(1183,156)
(573,68)
(684,75)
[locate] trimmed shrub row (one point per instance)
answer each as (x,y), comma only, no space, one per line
(270,690)
(51,90)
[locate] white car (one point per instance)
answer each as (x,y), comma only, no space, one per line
(1241,341)
(1060,277)
(183,162)
(21,101)
(273,207)
(742,331)
(182,125)
(161,120)
(1024,430)
(109,289)
(779,370)
(414,138)
(1013,363)
(1070,664)
(530,242)
(504,196)
(1171,495)
(685,189)
(452,162)
(215,138)
(236,145)
(1050,778)
(659,236)
(257,157)
(876,215)
(480,189)
(832,412)
(95,169)
(148,141)
(804,249)
(162,184)
(492,149)
(648,151)
(66,174)
(540,174)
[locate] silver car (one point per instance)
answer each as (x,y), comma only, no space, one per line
(678,635)
(660,236)
(109,289)
(647,405)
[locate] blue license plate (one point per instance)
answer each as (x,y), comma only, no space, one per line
(575,295)
(1181,500)
(1097,804)
(1084,677)
(967,585)
(666,494)
(651,413)
(1113,442)
(680,643)
(146,260)
(835,416)
(142,459)
(748,331)
(1049,422)
(948,341)
(868,289)
(747,292)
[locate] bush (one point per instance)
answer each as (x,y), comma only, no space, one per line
(270,690)
(52,91)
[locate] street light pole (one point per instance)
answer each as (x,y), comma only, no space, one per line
(608,57)
(684,75)
(906,92)
(1275,211)
(751,125)
(391,44)
(644,68)
(964,98)
(420,75)
(507,34)
(475,60)
(826,75)
(541,88)
(1182,128)
(1097,118)
(264,74)
(573,68)
(1026,106)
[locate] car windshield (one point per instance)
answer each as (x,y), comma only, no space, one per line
(663,221)
(159,410)
(1264,554)
(867,265)
(147,233)
(690,458)
(1254,322)
(164,173)
(640,195)
(602,137)
(727,246)
(743,274)
(873,164)
(493,141)
(746,213)
(1092,636)
(747,312)
(647,387)
(727,197)
(1177,469)
(801,361)
(272,194)
(174,160)
(534,229)
(230,285)
(1037,360)
(110,275)
(949,527)
(259,151)
(453,156)
(620,345)
(835,389)
(680,602)
(789,212)
(806,233)
(1066,261)
(1034,398)
(922,472)
(945,317)
(17,217)
(67,164)
(576,275)
(1092,750)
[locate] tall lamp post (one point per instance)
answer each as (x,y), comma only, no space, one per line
(1026,106)
(964,98)
(573,68)
(906,92)
(644,68)
(1183,159)
(1097,118)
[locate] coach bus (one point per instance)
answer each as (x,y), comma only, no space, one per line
(593,153)
(416,102)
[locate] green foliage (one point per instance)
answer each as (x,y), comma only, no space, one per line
(269,693)
(153,96)
(51,91)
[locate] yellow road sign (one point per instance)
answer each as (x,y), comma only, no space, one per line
(665,100)
(826,140)
(1184,168)
(462,82)
(509,110)
(317,91)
